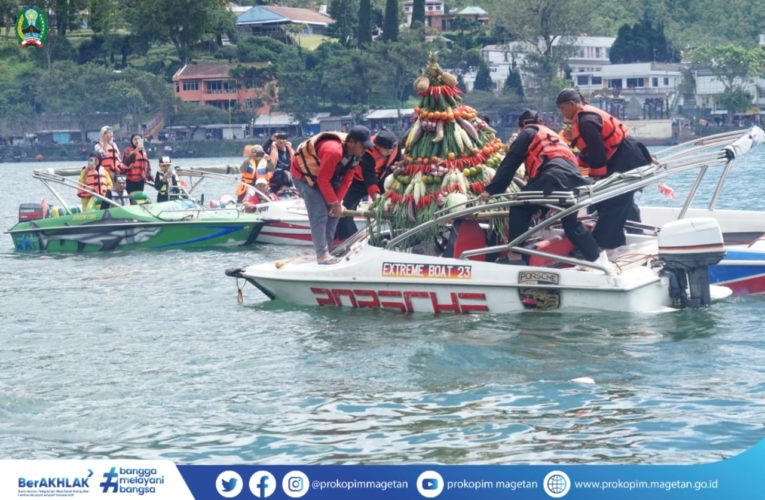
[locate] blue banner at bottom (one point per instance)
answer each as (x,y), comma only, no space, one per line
(737,477)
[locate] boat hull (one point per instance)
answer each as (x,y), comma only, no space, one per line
(129,228)
(374,278)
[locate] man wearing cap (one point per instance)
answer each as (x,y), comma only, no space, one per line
(550,166)
(368,177)
(323,170)
(605,147)
(256,167)
(118,194)
(279,150)
(166,182)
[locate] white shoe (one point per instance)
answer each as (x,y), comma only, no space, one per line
(607,264)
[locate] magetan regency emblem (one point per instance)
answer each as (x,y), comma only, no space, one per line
(32,27)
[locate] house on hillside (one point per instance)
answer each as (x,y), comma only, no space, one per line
(440,18)
(271,20)
(212,84)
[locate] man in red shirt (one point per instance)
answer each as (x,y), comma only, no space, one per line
(323,169)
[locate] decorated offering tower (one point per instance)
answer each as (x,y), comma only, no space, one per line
(450,153)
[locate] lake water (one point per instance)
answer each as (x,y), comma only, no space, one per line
(148,355)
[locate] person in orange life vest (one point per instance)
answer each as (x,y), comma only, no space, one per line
(368,177)
(108,151)
(95,178)
(118,194)
(550,166)
(166,182)
(323,170)
(137,167)
(605,147)
(279,150)
(256,167)
(261,195)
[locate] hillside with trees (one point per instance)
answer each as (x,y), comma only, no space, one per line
(119,55)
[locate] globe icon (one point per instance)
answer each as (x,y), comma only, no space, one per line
(556,484)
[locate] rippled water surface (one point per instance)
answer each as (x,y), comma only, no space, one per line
(148,355)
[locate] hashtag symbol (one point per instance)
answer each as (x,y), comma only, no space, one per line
(110,481)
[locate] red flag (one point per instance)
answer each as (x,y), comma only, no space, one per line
(666,191)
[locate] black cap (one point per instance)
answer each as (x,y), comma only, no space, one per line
(386,139)
(528,116)
(568,95)
(360,134)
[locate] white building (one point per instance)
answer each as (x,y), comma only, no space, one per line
(588,53)
(708,87)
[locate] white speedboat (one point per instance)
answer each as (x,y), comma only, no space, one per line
(661,270)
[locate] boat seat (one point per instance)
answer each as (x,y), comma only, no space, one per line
(469,236)
(557,245)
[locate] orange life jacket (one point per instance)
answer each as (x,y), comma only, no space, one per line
(274,154)
(255,170)
(139,169)
(381,163)
(111,160)
(95,180)
(545,146)
(612,131)
(306,159)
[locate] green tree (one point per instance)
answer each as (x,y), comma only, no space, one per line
(514,84)
(184,23)
(418,13)
(346,25)
(402,62)
(483,79)
(542,23)
(733,66)
(641,43)
(390,26)
(365,22)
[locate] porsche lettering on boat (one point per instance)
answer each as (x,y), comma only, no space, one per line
(440,271)
(454,302)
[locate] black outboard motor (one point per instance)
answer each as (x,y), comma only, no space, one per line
(687,248)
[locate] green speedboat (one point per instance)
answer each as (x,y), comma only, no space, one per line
(180,223)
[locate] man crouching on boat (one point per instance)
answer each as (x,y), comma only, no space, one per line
(550,166)
(323,170)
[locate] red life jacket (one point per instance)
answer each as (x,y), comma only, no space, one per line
(139,169)
(111,160)
(306,159)
(95,180)
(612,131)
(545,146)
(381,163)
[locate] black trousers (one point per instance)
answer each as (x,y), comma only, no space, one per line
(346,227)
(575,231)
(612,215)
(131,186)
(550,179)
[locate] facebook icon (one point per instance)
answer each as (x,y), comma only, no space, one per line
(262,484)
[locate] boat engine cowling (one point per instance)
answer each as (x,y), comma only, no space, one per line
(688,247)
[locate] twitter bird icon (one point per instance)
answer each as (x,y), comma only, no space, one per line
(229,484)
